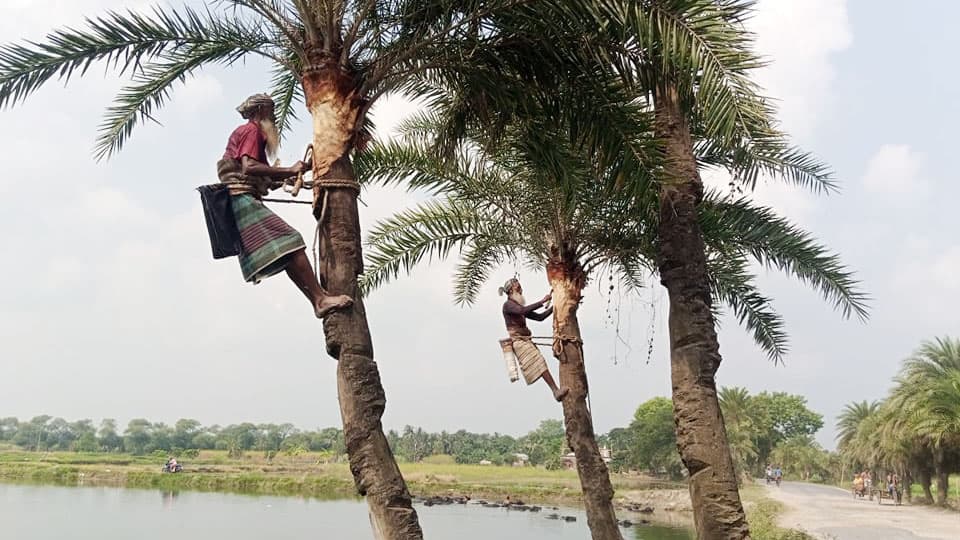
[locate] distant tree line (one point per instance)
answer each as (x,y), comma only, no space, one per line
(766,428)
(761,428)
(45,433)
(543,445)
(915,430)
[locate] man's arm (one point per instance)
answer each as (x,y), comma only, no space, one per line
(514,308)
(252,167)
(540,316)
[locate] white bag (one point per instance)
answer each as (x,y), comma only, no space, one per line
(513,370)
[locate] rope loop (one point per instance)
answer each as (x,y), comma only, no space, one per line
(298,183)
(295,184)
(559,339)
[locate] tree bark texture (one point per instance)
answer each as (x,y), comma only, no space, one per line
(694,348)
(925,482)
(942,474)
(361,395)
(568,280)
(905,483)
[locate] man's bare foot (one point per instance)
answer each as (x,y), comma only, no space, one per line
(560,393)
(329,304)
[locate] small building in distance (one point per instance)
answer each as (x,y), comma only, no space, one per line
(521,460)
(569,459)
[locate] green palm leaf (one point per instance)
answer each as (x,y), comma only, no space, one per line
(287,92)
(775,242)
(161,50)
(151,89)
(733,285)
(123,41)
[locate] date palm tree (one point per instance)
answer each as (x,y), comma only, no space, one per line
(850,418)
(849,422)
(536,192)
(740,425)
(693,62)
(927,394)
(688,64)
(336,57)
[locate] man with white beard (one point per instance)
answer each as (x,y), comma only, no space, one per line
(266,244)
(515,314)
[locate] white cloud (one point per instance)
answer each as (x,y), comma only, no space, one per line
(895,169)
(118,268)
(33,18)
(801,37)
(200,91)
(945,269)
(788,200)
(389,111)
(111,206)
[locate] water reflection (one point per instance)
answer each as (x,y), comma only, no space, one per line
(167,498)
(653,532)
(54,513)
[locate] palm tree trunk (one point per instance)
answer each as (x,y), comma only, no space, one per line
(906,483)
(694,349)
(942,474)
(362,399)
(568,280)
(925,482)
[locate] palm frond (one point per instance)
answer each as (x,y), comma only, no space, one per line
(768,155)
(409,163)
(151,89)
(850,419)
(283,20)
(287,92)
(775,242)
(476,264)
(700,45)
(733,285)
(122,40)
(160,50)
(430,231)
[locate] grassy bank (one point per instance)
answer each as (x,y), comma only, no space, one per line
(302,475)
(953,496)
(762,513)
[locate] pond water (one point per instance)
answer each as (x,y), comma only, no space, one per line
(55,513)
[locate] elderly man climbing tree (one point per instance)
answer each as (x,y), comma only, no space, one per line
(239,223)
(515,314)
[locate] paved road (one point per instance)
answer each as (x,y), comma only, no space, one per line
(830,512)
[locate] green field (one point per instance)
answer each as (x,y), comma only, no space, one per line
(953,485)
(306,474)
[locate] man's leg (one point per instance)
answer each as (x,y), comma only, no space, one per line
(302,275)
(558,393)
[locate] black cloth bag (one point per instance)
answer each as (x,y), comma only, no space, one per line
(221,224)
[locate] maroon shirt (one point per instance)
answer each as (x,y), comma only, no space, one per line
(246,140)
(516,315)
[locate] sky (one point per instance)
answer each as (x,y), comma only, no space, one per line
(111,305)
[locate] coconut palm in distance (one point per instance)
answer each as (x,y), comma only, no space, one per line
(335,56)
